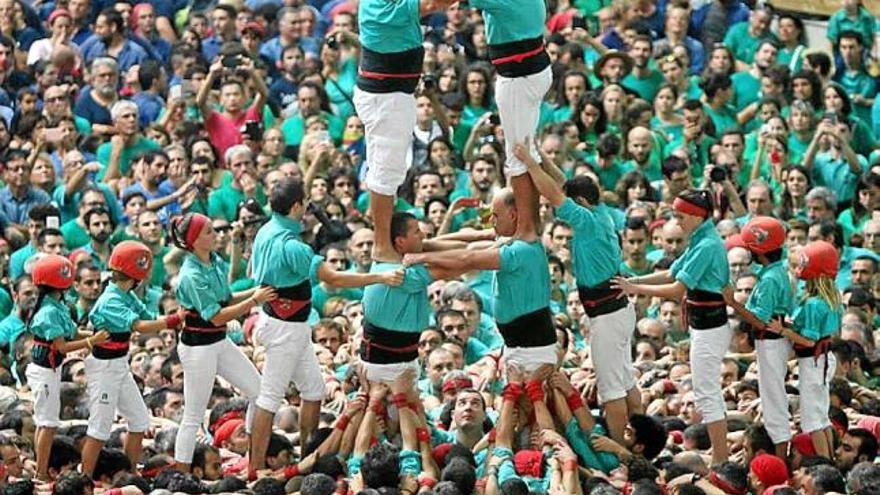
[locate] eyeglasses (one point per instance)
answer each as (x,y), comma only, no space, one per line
(223,228)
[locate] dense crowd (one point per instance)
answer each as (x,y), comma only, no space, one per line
(427,246)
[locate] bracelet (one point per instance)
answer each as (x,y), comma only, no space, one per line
(378,408)
(342,422)
(291,471)
(574,401)
(512,391)
(423,435)
(535,391)
(400,400)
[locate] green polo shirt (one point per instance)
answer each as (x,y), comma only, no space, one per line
(835,174)
(52,321)
(294,128)
(724,118)
(742,43)
(595,245)
(864,23)
(279,257)
(522,282)
(609,176)
(203,287)
(160,274)
(141,146)
(404,308)
(815,319)
(745,89)
(223,202)
(858,83)
(772,295)
(75,236)
(703,265)
(117,310)
(646,87)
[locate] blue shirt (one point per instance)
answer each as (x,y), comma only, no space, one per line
(149,107)
(703,265)
(404,308)
(117,310)
(16,209)
(87,108)
(273,48)
(131,54)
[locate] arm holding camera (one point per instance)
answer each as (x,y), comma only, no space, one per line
(205,90)
(483,127)
(259,85)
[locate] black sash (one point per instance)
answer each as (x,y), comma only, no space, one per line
(293,303)
(601,299)
(390,72)
(382,346)
(114,348)
(535,329)
(705,309)
(519,58)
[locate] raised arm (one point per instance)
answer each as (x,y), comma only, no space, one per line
(544,183)
(205,90)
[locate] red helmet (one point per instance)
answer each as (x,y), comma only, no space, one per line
(53,271)
(818,259)
(734,240)
(762,235)
(133,259)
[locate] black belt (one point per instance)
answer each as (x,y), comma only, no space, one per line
(116,347)
(601,299)
(535,329)
(703,310)
(519,58)
(382,346)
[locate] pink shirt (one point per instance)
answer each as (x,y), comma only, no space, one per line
(225,132)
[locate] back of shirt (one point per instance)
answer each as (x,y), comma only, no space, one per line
(389,26)
(405,308)
(522,282)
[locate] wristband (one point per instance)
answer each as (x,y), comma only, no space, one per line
(378,408)
(114,491)
(493,434)
(89,342)
(423,435)
(574,401)
(427,482)
(400,400)
(342,422)
(535,391)
(173,320)
(291,471)
(570,465)
(512,392)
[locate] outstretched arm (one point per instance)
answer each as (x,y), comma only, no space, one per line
(340,279)
(457,260)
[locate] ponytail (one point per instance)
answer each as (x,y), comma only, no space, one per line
(824,288)
(44,291)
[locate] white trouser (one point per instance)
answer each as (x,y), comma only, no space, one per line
(388,373)
(531,358)
(519,106)
(45,385)
(112,387)
(389,120)
(772,367)
(290,356)
(813,386)
(201,365)
(708,348)
(611,352)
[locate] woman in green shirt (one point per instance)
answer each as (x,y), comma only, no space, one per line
(589,115)
(792,37)
(666,120)
(853,219)
(793,200)
(476,86)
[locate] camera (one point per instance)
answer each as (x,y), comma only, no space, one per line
(332,43)
(229,61)
(429,81)
(719,173)
(253,130)
(494,119)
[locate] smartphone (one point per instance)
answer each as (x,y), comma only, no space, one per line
(578,22)
(53,135)
(324,137)
(469,202)
(53,222)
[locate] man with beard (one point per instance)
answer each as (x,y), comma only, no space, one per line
(149,230)
(644,80)
(484,177)
(110,28)
(149,172)
(634,245)
(87,284)
(75,230)
(101,226)
(128,143)
(747,84)
(613,68)
(858,445)
(24,293)
(283,91)
(639,148)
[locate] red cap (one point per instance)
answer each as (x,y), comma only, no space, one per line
(59,13)
(763,235)
(225,432)
(735,240)
(133,259)
(818,259)
(53,271)
(769,469)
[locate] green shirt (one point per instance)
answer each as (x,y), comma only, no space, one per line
(512,20)
(160,274)
(18,260)
(389,27)
(141,146)
(279,257)
(703,265)
(117,310)
(203,287)
(864,23)
(404,308)
(75,236)
(52,320)
(522,282)
(609,176)
(745,89)
(646,87)
(724,118)
(848,222)
(814,319)
(294,128)
(835,174)
(595,246)
(223,202)
(858,83)
(772,295)
(742,43)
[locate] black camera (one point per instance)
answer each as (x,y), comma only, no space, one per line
(229,61)
(494,119)
(332,43)
(253,130)
(429,81)
(719,173)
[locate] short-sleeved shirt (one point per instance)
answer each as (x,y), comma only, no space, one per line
(19,258)
(745,89)
(522,282)
(743,44)
(647,87)
(512,20)
(17,209)
(279,257)
(117,310)
(703,265)
(141,146)
(773,294)
(595,245)
(203,287)
(52,320)
(389,27)
(223,202)
(815,319)
(404,308)
(864,24)
(836,174)
(225,132)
